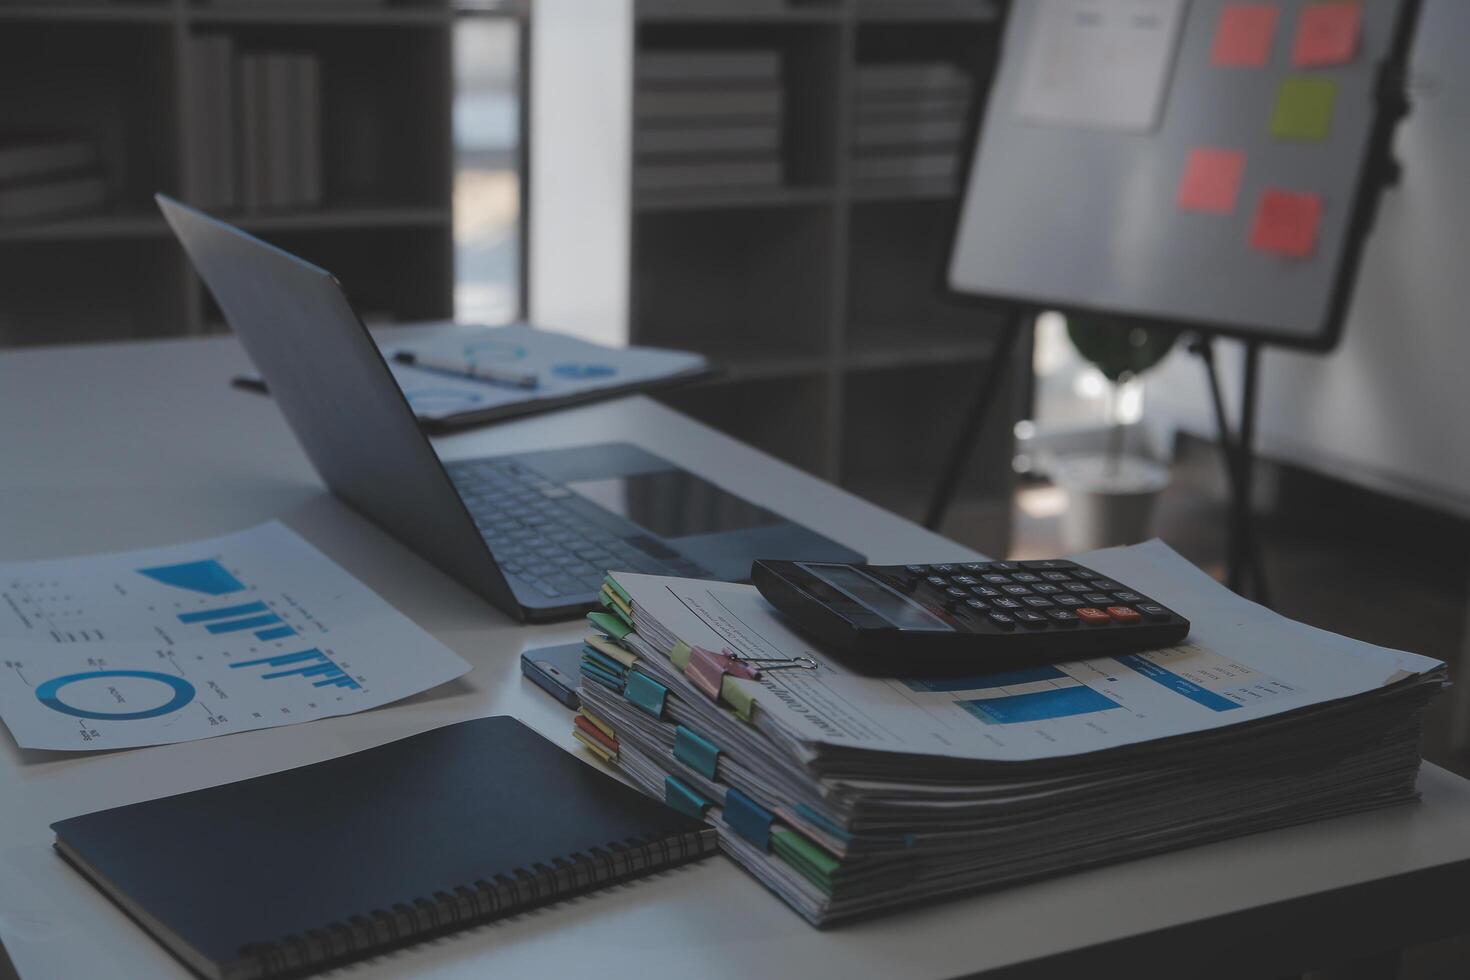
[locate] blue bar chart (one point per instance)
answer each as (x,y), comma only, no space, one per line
(1056,702)
(312,665)
(208,577)
(239,618)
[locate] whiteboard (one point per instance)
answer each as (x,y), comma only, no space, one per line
(1073,198)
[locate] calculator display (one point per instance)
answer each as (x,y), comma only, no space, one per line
(893,606)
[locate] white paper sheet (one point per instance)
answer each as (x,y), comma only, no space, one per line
(1098,63)
(249,630)
(1240,662)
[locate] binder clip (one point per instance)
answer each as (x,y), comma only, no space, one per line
(707,670)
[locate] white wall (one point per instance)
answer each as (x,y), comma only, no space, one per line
(1390,408)
(581,94)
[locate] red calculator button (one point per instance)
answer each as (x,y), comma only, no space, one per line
(1091,616)
(1124,614)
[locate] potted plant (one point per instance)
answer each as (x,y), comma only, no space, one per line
(1111,494)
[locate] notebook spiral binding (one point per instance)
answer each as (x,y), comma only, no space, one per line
(479,901)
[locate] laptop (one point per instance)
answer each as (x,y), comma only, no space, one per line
(532,532)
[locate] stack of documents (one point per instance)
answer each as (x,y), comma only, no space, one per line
(708,119)
(911,121)
(849,795)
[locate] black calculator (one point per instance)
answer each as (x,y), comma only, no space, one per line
(908,620)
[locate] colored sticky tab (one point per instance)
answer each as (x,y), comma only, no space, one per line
(738,698)
(595,747)
(646,693)
(830,826)
(602,725)
(609,649)
(1286,223)
(609,624)
(616,603)
(1304,108)
(612,583)
(592,731)
(1211,180)
(1243,35)
(595,673)
(814,863)
(592,657)
(1327,34)
(611,605)
(680,654)
(748,818)
(684,799)
(696,751)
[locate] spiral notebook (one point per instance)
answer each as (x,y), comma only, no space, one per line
(307,868)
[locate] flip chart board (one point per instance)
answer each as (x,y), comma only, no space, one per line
(1200,163)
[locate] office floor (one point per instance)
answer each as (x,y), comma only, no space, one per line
(1336,557)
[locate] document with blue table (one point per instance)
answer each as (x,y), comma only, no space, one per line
(249,630)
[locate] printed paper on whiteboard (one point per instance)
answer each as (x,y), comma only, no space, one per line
(1099,63)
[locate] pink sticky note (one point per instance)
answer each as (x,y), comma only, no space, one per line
(1211,180)
(1243,35)
(1326,34)
(1286,223)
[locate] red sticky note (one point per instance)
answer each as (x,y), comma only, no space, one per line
(1286,223)
(1243,35)
(1211,180)
(1326,34)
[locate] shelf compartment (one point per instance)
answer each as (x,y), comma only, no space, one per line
(735,285)
(142,11)
(76,292)
(811,58)
(395,15)
(927,11)
(784,417)
(738,11)
(110,84)
(394,276)
(897,302)
(385,105)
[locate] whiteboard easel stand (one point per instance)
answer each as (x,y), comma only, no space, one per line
(1245,570)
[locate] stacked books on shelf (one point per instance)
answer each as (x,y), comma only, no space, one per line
(911,121)
(255,127)
(851,795)
(49,176)
(708,120)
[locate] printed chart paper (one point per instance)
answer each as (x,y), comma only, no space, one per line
(1099,65)
(249,630)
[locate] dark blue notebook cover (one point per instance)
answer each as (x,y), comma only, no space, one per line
(305,868)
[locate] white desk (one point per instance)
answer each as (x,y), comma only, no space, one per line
(129,445)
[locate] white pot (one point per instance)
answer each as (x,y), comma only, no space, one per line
(1110,501)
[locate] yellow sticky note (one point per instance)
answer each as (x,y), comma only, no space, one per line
(1304,108)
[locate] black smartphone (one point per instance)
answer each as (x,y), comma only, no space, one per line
(557,670)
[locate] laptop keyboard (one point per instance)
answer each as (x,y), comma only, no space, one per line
(536,538)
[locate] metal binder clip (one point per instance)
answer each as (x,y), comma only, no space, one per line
(707,669)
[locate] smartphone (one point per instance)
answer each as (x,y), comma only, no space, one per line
(557,670)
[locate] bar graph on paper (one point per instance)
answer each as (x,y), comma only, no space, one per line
(240,632)
(309,665)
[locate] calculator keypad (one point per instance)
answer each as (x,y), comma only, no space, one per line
(1032,596)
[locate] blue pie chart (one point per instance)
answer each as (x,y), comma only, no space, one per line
(49,694)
